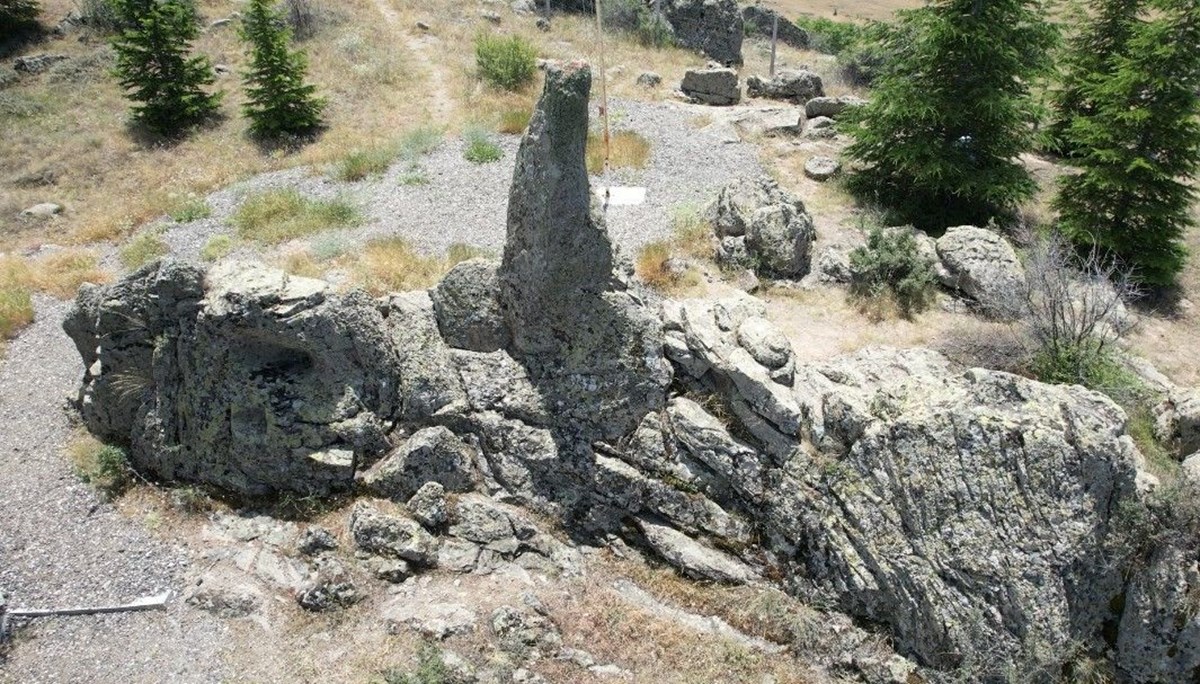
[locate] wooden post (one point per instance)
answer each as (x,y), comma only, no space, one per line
(603,84)
(774,37)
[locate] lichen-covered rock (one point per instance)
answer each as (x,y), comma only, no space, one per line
(982,265)
(254,381)
(792,86)
(693,558)
(959,509)
(433,454)
(822,168)
(467,311)
(830,107)
(1159,635)
(713,27)
(1177,420)
(713,86)
(764,21)
(588,342)
(428,505)
(779,231)
(392,535)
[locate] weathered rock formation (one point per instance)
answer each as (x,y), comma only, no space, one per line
(762,227)
(763,21)
(712,27)
(716,86)
(793,86)
(951,507)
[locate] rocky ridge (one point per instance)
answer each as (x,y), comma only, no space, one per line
(952,507)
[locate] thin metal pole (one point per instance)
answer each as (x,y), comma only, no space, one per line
(603,83)
(774,37)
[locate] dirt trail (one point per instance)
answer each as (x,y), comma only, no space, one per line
(441,107)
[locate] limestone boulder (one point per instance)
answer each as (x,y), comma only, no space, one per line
(796,86)
(982,264)
(468,313)
(830,107)
(392,535)
(778,230)
(1177,420)
(712,27)
(712,86)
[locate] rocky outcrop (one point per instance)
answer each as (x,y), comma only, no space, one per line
(761,226)
(716,86)
(793,86)
(1177,420)
(982,265)
(831,107)
(761,22)
(949,507)
(712,27)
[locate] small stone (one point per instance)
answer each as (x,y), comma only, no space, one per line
(490,16)
(36,64)
(44,210)
(422,26)
(315,540)
(649,79)
(822,168)
(428,505)
(394,570)
(745,280)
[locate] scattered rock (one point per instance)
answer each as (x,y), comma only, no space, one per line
(331,589)
(712,27)
(422,26)
(760,121)
(428,505)
(490,16)
(523,6)
(793,86)
(394,570)
(432,620)
(822,168)
(1177,420)
(830,107)
(982,264)
(433,454)
(220,23)
(762,21)
(693,558)
(44,210)
(714,86)
(778,230)
(833,264)
(392,535)
(36,64)
(226,594)
(316,539)
(649,79)
(519,631)
(745,280)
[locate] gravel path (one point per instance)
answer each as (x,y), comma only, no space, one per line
(61,546)
(466,202)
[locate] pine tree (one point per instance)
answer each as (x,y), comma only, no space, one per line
(17,16)
(1089,55)
(279,102)
(940,138)
(153,65)
(1139,146)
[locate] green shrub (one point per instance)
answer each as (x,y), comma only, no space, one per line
(277,216)
(506,63)
(891,266)
(420,141)
(143,249)
(431,669)
(17,16)
(16,310)
(829,36)
(218,247)
(103,466)
(360,164)
(480,148)
(190,210)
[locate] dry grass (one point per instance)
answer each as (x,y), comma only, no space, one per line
(626,149)
(514,121)
(692,242)
(276,216)
(392,265)
(58,273)
(143,249)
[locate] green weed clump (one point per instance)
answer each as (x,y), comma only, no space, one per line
(276,216)
(143,249)
(890,270)
(480,148)
(507,63)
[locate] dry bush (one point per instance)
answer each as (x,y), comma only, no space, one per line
(991,345)
(300,262)
(393,265)
(626,149)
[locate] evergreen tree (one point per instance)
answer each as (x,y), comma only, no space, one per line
(1089,55)
(939,140)
(17,16)
(153,65)
(279,102)
(1139,146)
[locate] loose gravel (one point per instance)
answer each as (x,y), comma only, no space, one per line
(467,203)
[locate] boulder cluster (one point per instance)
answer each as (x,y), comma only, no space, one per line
(954,508)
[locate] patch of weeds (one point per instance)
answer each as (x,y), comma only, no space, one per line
(653,265)
(17,106)
(431,669)
(693,234)
(191,209)
(298,507)
(361,164)
(891,271)
(276,216)
(460,252)
(420,141)
(61,272)
(514,121)
(480,149)
(300,262)
(16,310)
(414,175)
(218,247)
(393,265)
(191,500)
(329,247)
(507,63)
(103,466)
(143,249)
(626,149)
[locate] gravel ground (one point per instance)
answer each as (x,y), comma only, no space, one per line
(61,546)
(466,202)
